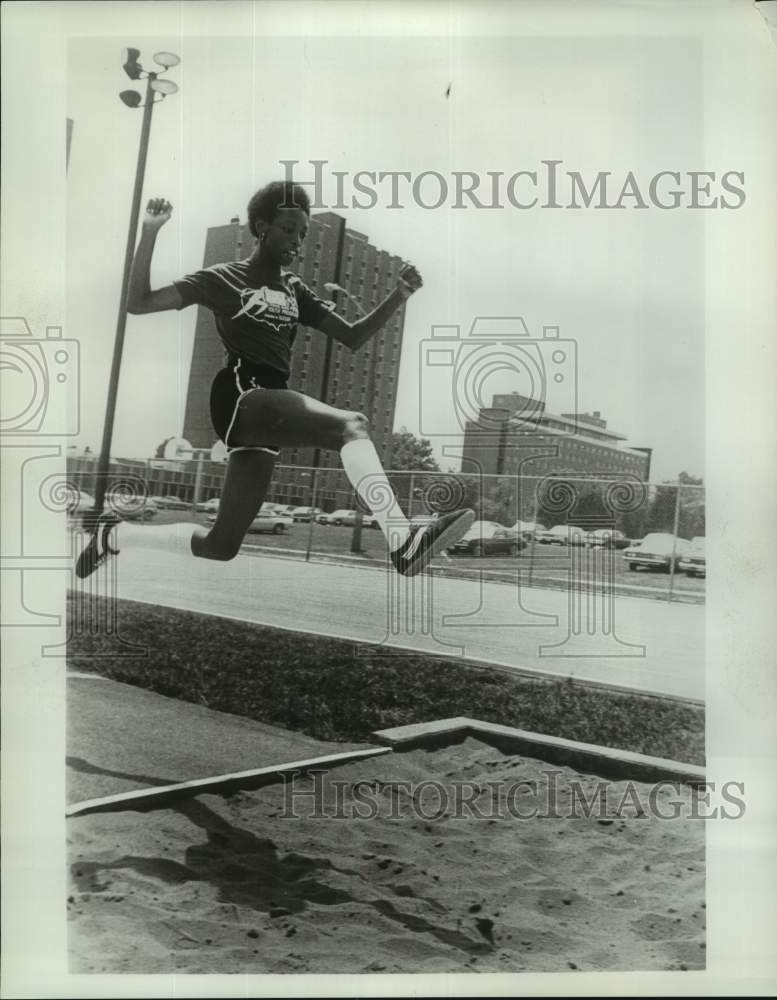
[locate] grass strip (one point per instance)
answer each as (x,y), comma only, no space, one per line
(333,689)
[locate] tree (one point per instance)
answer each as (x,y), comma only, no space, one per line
(691,521)
(411,454)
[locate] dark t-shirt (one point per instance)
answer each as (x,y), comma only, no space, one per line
(256,322)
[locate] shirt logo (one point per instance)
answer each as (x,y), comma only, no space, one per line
(268,306)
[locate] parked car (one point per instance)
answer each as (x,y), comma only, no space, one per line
(338,517)
(694,563)
(131,508)
(304,514)
(346,518)
(170,502)
(528,529)
(551,536)
(127,507)
(609,538)
(576,536)
(209,506)
(655,550)
(272,522)
(266,521)
(285,508)
(562,534)
(487,538)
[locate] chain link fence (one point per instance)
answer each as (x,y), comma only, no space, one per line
(563,529)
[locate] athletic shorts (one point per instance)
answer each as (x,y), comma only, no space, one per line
(228,388)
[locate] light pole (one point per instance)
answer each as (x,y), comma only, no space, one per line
(154,86)
(331,286)
(327,364)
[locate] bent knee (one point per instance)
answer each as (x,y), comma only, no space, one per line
(224,554)
(356,426)
(217,549)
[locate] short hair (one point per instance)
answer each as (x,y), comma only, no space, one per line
(277,194)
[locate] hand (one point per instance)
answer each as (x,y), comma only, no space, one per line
(409,281)
(158,212)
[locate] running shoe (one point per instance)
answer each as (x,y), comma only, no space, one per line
(98,548)
(426,540)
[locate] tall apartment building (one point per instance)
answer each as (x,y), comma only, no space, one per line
(365,380)
(502,442)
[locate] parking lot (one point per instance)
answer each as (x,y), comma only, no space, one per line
(555,566)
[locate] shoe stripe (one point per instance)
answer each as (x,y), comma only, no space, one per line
(415,541)
(452,532)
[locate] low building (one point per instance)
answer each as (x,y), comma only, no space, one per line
(518,436)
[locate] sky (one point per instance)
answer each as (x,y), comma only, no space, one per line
(627,287)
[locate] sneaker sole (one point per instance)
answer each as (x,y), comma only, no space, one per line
(450,536)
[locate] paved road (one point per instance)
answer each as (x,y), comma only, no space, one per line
(638,644)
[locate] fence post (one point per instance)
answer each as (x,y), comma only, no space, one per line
(535,511)
(314,489)
(197,481)
(674,541)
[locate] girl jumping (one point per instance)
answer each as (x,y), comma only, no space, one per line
(257,306)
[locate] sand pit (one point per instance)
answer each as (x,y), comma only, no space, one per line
(238,885)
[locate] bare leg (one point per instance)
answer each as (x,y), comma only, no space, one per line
(284,417)
(267,417)
(245,487)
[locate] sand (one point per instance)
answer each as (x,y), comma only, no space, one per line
(238,885)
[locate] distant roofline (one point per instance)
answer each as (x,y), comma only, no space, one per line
(574,420)
(546,415)
(587,440)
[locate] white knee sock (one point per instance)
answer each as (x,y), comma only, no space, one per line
(166,537)
(364,470)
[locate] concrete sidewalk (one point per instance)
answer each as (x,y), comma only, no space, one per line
(121,738)
(647,646)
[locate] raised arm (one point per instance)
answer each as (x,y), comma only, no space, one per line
(355,335)
(140,298)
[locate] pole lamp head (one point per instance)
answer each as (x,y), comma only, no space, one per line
(166,59)
(131,98)
(132,67)
(164,87)
(135,71)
